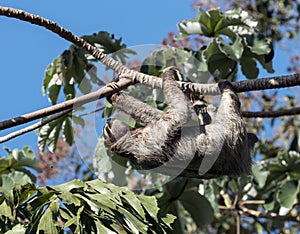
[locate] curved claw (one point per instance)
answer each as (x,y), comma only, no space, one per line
(107,134)
(113,85)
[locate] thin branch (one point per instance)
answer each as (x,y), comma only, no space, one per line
(34,126)
(271,114)
(73,103)
(92,112)
(242,210)
(271,215)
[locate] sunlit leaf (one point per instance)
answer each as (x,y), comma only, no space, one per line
(48,221)
(150,205)
(49,134)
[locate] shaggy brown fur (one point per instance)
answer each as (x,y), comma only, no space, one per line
(166,144)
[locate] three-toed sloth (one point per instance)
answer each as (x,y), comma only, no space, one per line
(167,144)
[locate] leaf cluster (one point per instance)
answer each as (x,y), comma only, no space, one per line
(80,207)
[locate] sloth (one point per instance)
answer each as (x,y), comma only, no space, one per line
(218,146)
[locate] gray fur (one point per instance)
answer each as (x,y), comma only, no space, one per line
(171,147)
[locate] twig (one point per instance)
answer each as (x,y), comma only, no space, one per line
(271,215)
(34,126)
(242,210)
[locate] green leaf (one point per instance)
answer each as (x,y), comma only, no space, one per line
(103,201)
(169,219)
(17,229)
(28,152)
(74,184)
(68,131)
(260,174)
(5,165)
(187,27)
(233,51)
(270,201)
(54,87)
(49,134)
(102,229)
(48,221)
(101,158)
(69,198)
(259,44)
(50,71)
(109,44)
(150,205)
(133,201)
(287,193)
(213,23)
(5,210)
(217,60)
(7,183)
(20,178)
(249,67)
(198,206)
(135,224)
(39,201)
(78,120)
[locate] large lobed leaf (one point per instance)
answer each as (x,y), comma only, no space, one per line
(93,207)
(235,39)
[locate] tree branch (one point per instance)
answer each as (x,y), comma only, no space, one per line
(242,210)
(34,126)
(257,214)
(120,69)
(73,103)
(271,114)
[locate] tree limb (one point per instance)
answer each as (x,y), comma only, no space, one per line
(120,69)
(34,126)
(73,103)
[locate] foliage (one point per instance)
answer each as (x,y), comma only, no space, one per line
(81,207)
(15,169)
(234,40)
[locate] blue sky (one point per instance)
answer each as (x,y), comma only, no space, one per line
(26,49)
